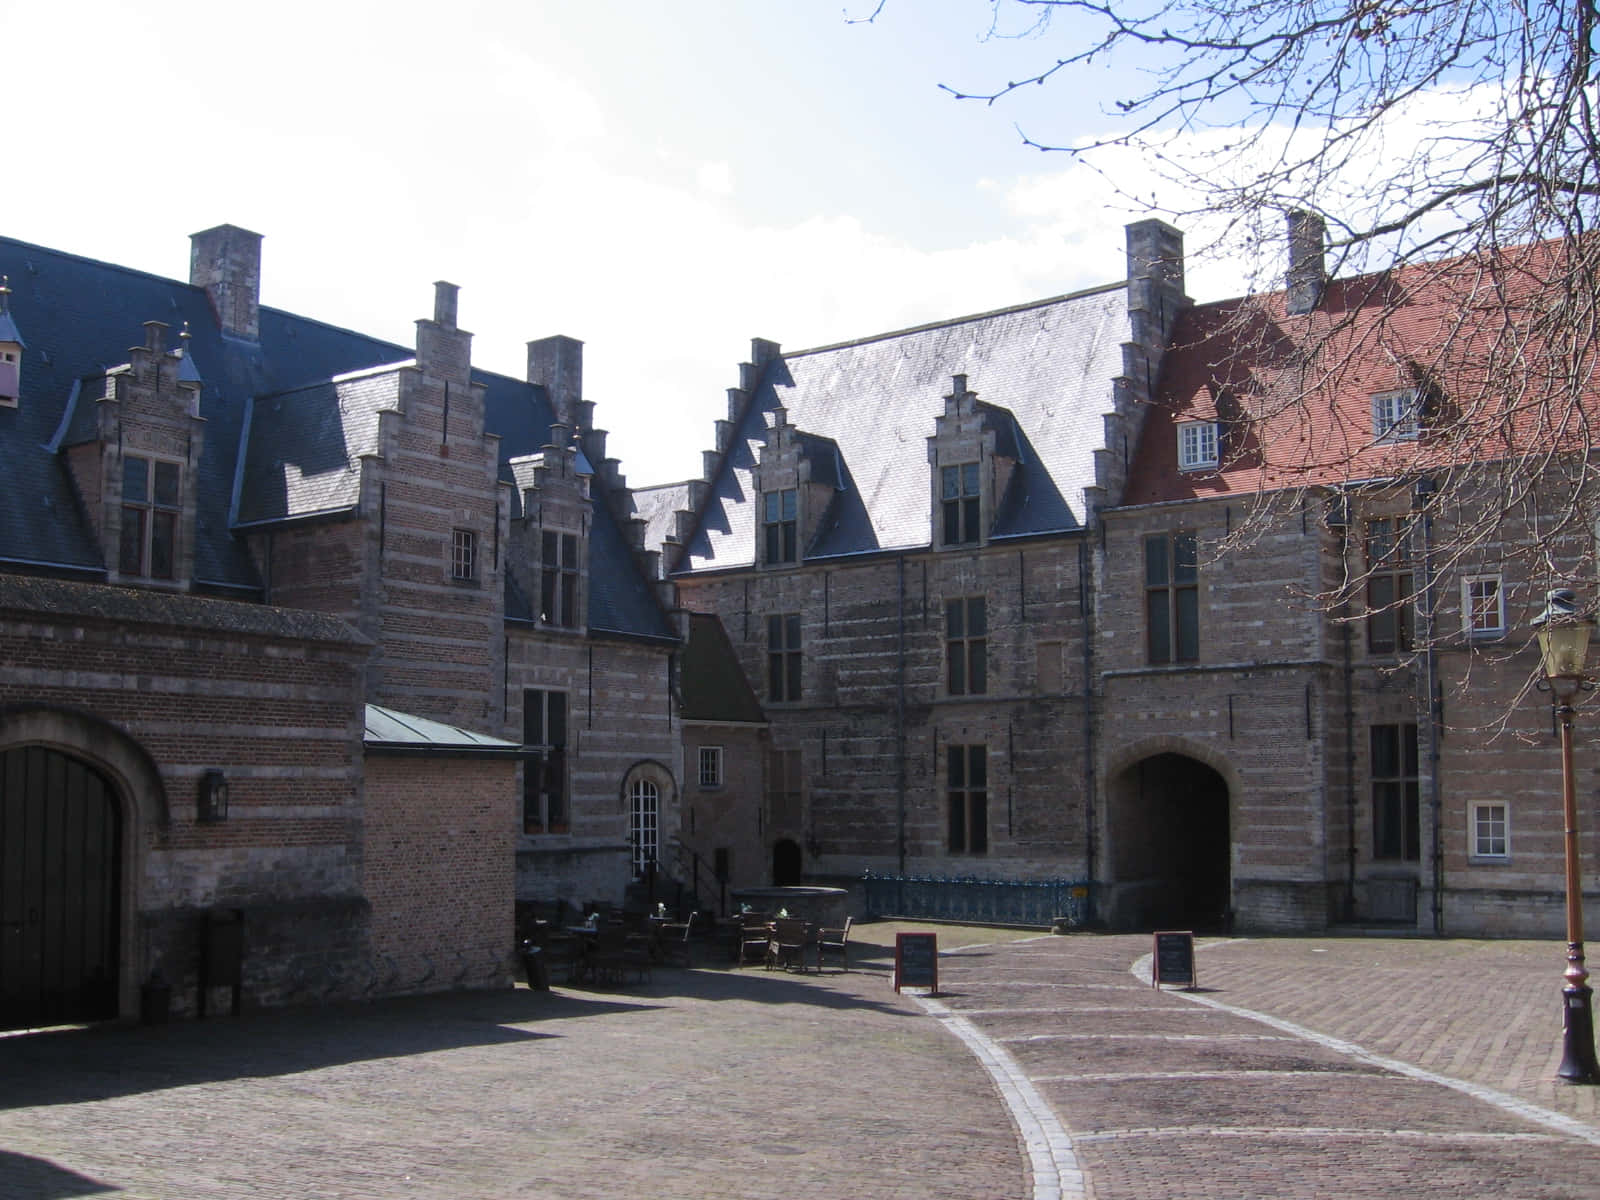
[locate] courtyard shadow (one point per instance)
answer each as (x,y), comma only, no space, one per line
(40,1179)
(69,1066)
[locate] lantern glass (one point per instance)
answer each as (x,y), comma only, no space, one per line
(1564,649)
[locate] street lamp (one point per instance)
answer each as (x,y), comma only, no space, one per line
(1563,646)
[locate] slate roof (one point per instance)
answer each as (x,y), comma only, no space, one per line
(388,729)
(307,426)
(1045,370)
(1296,389)
(714,685)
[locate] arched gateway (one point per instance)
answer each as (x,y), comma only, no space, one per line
(1169,845)
(61,844)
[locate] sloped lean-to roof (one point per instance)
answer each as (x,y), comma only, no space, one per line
(1045,372)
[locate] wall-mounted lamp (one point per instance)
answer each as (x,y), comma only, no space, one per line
(213,796)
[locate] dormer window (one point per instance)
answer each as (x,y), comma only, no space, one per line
(1396,416)
(1197,445)
(10,376)
(779,525)
(152,498)
(959,502)
(558,579)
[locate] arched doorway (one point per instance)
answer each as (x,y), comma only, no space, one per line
(1170,845)
(786,863)
(60,889)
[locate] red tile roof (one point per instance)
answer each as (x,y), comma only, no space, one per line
(1494,343)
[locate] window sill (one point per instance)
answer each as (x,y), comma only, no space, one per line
(1488,860)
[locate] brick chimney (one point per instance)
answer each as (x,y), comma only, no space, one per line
(556,363)
(226,261)
(1307,270)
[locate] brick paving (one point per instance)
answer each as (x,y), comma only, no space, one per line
(719,1083)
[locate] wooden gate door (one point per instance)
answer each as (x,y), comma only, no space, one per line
(60,850)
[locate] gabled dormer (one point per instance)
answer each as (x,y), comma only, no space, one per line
(796,478)
(138,473)
(973,454)
(549,558)
(11,348)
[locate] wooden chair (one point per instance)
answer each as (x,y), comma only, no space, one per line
(837,940)
(787,946)
(674,942)
(753,937)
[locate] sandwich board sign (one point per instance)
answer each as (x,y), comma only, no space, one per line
(1173,961)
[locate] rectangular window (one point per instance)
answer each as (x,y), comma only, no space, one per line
(785,789)
(463,555)
(1394,416)
(783,658)
(710,766)
(558,582)
(1050,675)
(1483,605)
(958,491)
(966,630)
(1490,830)
(152,497)
(967,771)
(544,781)
(1389,585)
(1172,598)
(1396,820)
(1197,445)
(779,526)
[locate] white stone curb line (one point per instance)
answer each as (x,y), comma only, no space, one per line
(1054,1166)
(1528,1111)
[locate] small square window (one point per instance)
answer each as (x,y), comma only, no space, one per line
(710,766)
(1483,606)
(463,555)
(1490,830)
(1197,445)
(1394,416)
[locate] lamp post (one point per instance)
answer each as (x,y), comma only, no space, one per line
(1563,646)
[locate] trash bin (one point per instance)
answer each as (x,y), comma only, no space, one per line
(155,999)
(533,966)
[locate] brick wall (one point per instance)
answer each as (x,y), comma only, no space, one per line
(439,870)
(869,627)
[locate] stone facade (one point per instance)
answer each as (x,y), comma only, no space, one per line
(251,539)
(1195,696)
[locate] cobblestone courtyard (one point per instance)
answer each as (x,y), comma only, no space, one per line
(1045,1068)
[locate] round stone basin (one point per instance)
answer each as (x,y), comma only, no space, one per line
(825,906)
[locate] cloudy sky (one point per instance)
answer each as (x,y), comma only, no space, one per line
(660,180)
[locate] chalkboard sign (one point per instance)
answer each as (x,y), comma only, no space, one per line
(916,961)
(1174,959)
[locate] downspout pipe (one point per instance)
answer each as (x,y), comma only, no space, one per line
(1422,498)
(1090,808)
(900,712)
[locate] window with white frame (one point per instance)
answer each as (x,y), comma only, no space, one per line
(710,766)
(463,555)
(1394,415)
(1197,445)
(1490,830)
(1483,605)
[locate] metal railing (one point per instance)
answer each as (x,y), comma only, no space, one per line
(979,901)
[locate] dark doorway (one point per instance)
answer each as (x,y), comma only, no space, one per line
(60,850)
(1171,846)
(786,863)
